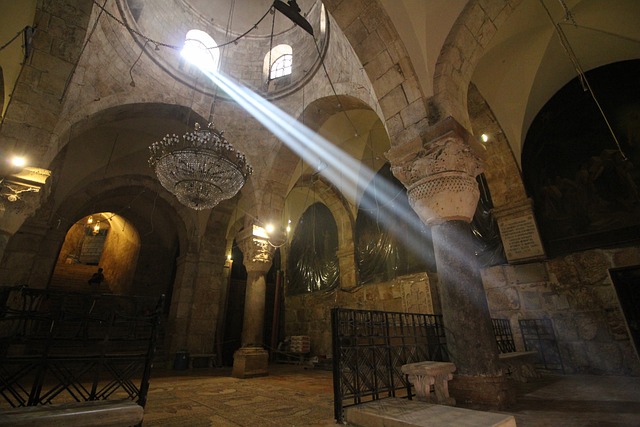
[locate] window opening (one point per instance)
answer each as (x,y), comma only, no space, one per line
(281,66)
(278,62)
(199,43)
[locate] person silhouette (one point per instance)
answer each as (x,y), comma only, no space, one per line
(97,278)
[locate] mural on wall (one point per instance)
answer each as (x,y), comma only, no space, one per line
(586,188)
(313,263)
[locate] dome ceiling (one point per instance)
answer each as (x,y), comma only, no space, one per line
(245,14)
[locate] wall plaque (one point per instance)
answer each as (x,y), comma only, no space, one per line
(519,232)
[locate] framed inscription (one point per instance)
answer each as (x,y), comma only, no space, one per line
(520,235)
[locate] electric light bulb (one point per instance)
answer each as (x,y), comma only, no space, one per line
(18,161)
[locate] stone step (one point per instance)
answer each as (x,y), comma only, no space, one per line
(395,412)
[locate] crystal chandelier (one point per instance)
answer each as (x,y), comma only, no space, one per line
(200,168)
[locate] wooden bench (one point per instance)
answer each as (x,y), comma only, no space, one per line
(519,365)
(423,375)
(97,413)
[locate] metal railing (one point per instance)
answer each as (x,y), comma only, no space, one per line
(538,335)
(60,347)
(504,335)
(370,347)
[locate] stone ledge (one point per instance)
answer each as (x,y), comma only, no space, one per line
(395,412)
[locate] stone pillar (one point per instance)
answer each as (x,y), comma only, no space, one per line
(347,265)
(252,359)
(181,303)
(439,170)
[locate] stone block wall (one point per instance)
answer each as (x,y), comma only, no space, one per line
(310,314)
(576,293)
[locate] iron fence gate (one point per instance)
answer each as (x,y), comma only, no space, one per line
(370,347)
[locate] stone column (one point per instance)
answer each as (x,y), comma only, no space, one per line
(347,265)
(252,359)
(181,303)
(439,170)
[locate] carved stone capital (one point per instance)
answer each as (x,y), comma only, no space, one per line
(257,252)
(439,170)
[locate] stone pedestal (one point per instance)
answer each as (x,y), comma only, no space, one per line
(423,375)
(250,362)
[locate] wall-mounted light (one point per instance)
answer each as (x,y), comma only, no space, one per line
(90,219)
(484,137)
(96,228)
(18,162)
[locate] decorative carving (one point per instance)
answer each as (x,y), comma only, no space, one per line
(257,252)
(439,170)
(425,375)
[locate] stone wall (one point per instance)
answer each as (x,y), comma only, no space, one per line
(310,314)
(576,293)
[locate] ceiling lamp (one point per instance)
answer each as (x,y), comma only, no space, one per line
(200,168)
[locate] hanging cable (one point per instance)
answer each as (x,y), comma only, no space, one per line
(333,88)
(84,46)
(172,46)
(12,39)
(581,74)
(223,57)
(133,83)
(273,23)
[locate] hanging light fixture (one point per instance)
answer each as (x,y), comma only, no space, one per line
(200,168)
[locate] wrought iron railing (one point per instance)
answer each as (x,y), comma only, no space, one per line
(538,335)
(504,335)
(370,347)
(60,347)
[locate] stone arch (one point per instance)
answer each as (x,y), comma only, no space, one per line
(329,195)
(43,234)
(313,116)
(112,108)
(374,38)
(377,44)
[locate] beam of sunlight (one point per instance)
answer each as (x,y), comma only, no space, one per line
(342,170)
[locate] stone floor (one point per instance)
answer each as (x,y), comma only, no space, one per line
(294,396)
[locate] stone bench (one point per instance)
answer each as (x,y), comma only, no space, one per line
(96,413)
(423,375)
(398,412)
(209,359)
(519,365)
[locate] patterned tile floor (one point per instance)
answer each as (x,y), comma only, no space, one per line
(289,396)
(294,396)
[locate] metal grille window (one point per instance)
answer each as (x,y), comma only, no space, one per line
(281,66)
